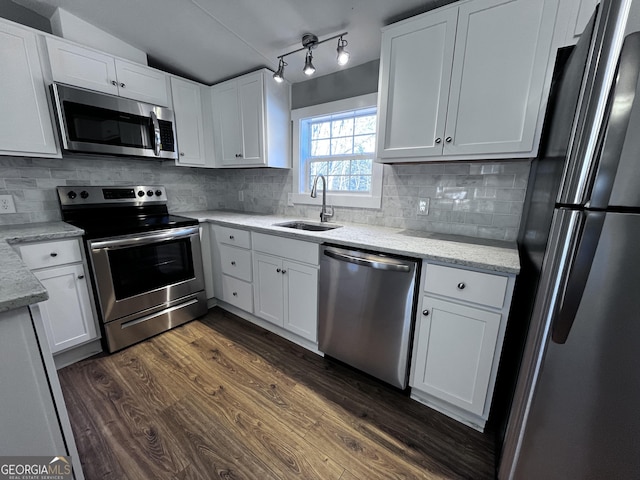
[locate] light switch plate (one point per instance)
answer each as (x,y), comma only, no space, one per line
(241,195)
(290,200)
(6,204)
(423,206)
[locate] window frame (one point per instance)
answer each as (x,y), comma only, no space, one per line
(373,199)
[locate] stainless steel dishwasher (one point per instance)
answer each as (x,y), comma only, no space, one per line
(367,305)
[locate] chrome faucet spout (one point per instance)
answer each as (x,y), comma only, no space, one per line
(324,214)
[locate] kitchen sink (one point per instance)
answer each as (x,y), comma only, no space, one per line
(310,226)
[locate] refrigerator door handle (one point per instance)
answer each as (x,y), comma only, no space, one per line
(575,280)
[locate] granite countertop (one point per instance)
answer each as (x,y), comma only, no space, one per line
(465,251)
(18,286)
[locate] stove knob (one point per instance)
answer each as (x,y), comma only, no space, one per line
(150,193)
(158,193)
(72,195)
(141,193)
(84,194)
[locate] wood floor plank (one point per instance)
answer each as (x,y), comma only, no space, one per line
(222,398)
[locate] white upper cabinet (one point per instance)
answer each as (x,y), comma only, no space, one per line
(415,63)
(251,122)
(26,127)
(580,12)
(187,109)
(87,68)
(466,82)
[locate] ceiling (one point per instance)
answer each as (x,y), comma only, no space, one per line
(213,40)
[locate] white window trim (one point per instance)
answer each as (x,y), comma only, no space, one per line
(354,200)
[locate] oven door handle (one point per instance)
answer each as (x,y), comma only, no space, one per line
(138,240)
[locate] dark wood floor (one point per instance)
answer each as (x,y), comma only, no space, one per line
(221,398)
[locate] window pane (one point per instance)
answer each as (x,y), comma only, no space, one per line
(364,144)
(365,124)
(339,167)
(318,167)
(338,183)
(361,167)
(320,148)
(341,146)
(342,128)
(320,130)
(360,183)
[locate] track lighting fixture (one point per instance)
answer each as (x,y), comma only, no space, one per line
(309,42)
(343,55)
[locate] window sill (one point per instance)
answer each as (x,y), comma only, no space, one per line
(343,200)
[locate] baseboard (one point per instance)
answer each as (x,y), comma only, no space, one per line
(467,418)
(73,355)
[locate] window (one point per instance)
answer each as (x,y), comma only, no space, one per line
(338,140)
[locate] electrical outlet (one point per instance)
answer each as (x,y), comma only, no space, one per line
(423,206)
(6,204)
(290,200)
(241,195)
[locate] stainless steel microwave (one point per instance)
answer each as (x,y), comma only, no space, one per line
(93,122)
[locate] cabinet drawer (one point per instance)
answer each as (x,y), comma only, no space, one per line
(238,293)
(235,262)
(288,248)
(233,236)
(482,288)
(49,254)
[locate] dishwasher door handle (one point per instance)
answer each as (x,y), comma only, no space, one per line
(378,264)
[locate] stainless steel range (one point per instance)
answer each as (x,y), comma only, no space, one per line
(146,265)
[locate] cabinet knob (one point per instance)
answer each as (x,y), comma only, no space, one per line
(233,262)
(284,271)
(80,277)
(235,294)
(425,313)
(182,154)
(231,237)
(122,85)
(114,83)
(448,139)
(53,254)
(438,140)
(278,270)
(461,286)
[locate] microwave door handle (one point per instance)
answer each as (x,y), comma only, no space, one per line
(157,143)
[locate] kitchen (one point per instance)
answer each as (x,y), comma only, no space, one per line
(488,196)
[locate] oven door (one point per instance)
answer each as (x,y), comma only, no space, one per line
(137,272)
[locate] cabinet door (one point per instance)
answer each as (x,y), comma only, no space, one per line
(226,123)
(142,83)
(499,69)
(268,288)
(25,123)
(67,315)
(415,72)
(301,299)
(251,103)
(187,108)
(455,346)
(82,67)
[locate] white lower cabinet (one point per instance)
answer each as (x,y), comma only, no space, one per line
(286,294)
(67,315)
(458,340)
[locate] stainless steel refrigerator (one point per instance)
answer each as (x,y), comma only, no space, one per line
(576,409)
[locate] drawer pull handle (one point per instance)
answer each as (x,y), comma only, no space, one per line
(53,254)
(425,313)
(231,237)
(284,271)
(461,286)
(235,294)
(80,277)
(233,262)
(278,270)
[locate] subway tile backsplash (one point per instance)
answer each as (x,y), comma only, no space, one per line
(474,199)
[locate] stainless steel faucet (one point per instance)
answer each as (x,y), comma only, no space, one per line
(324,215)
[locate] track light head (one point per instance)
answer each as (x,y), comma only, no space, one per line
(279,75)
(309,69)
(343,55)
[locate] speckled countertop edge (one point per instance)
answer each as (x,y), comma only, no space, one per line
(18,286)
(455,250)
